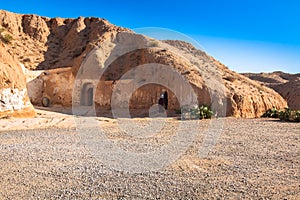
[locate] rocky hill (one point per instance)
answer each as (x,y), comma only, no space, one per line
(13,93)
(247,97)
(59,48)
(49,43)
(287,85)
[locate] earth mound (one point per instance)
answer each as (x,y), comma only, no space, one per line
(287,85)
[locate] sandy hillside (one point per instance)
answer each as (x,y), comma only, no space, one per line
(287,85)
(59,47)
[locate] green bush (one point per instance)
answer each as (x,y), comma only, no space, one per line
(205,112)
(297,118)
(196,112)
(290,115)
(272,113)
(284,115)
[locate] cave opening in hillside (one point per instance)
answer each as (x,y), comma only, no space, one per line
(148,96)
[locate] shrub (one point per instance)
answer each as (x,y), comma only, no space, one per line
(297,118)
(205,112)
(284,115)
(7,38)
(290,115)
(272,113)
(153,43)
(196,112)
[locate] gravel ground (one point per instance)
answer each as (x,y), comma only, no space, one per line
(251,158)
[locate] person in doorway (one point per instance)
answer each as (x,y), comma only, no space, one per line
(166,100)
(161,102)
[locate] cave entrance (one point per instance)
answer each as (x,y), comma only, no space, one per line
(87,95)
(147,96)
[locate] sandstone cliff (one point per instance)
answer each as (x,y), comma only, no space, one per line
(49,43)
(287,85)
(14,101)
(42,43)
(60,47)
(245,97)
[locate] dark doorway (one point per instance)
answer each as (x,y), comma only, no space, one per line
(87,95)
(90,94)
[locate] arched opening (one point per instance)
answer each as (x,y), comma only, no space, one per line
(87,95)
(147,96)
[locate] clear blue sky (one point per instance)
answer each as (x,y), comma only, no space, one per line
(249,35)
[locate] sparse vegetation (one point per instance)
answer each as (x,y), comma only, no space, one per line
(153,43)
(297,115)
(271,113)
(195,112)
(205,112)
(6,38)
(284,115)
(290,115)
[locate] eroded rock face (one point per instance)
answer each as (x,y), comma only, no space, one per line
(291,92)
(13,93)
(245,97)
(287,85)
(49,43)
